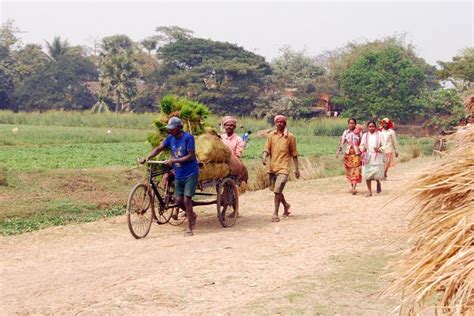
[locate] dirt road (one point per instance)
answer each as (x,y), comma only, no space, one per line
(327,258)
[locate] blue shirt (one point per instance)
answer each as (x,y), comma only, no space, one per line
(180,147)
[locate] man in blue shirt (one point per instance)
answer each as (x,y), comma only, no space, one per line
(185,166)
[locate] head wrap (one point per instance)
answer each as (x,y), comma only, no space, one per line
(229,119)
(279,117)
(390,123)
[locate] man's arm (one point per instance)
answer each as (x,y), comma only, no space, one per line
(239,147)
(294,154)
(190,156)
(297,169)
(153,153)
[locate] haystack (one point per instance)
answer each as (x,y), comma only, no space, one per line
(439,268)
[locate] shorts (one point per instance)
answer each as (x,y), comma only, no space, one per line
(186,187)
(277,182)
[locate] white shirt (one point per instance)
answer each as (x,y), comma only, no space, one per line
(389,141)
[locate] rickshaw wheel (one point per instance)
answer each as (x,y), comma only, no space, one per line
(140,210)
(227,202)
(164,212)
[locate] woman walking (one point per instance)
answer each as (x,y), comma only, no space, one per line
(350,139)
(390,144)
(372,157)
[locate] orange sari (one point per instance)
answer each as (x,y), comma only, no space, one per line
(353,165)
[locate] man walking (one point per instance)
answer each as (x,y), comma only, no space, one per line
(281,148)
(185,166)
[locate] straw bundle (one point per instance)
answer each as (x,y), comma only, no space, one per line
(210,148)
(440,265)
(213,171)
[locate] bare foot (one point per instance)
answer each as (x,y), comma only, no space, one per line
(369,194)
(275,219)
(287,212)
(188,232)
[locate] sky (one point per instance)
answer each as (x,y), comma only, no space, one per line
(438,30)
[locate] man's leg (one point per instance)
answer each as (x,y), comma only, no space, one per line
(286,205)
(188,202)
(277,200)
(379,186)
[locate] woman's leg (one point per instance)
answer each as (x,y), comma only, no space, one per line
(369,187)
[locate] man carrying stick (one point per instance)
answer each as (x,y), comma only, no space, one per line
(280,147)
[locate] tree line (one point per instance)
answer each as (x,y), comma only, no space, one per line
(379,78)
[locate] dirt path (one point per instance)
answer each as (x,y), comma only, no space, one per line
(326,259)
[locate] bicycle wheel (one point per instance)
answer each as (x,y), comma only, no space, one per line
(163,212)
(139,210)
(227,202)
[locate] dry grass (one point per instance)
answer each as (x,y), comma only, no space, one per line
(309,169)
(440,266)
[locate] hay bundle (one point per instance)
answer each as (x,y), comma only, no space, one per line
(440,265)
(210,148)
(214,170)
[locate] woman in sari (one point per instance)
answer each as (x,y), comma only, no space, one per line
(390,144)
(350,139)
(372,157)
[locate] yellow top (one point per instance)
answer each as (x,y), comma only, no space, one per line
(281,148)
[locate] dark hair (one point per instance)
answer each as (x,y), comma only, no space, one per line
(352,119)
(463,119)
(370,122)
(249,132)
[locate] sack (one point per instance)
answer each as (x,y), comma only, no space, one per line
(210,148)
(238,169)
(213,171)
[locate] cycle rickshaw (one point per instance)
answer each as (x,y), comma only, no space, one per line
(153,201)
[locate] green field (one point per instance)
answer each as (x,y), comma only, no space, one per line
(63,167)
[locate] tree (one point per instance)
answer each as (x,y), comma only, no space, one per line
(57,47)
(460,69)
(117,72)
(384,83)
(57,85)
(441,108)
(223,76)
(8,40)
(337,61)
(169,34)
(295,69)
(149,44)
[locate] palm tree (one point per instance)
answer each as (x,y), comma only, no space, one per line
(57,48)
(117,71)
(149,44)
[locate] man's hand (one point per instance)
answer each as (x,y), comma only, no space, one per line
(264,158)
(337,155)
(170,162)
(297,174)
(142,160)
(396,155)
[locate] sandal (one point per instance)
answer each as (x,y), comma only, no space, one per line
(275,219)
(188,233)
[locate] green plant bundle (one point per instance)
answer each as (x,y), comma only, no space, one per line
(193,115)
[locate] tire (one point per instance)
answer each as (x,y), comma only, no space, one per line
(164,212)
(227,202)
(140,211)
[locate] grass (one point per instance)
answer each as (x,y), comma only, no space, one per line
(72,214)
(81,119)
(24,135)
(47,157)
